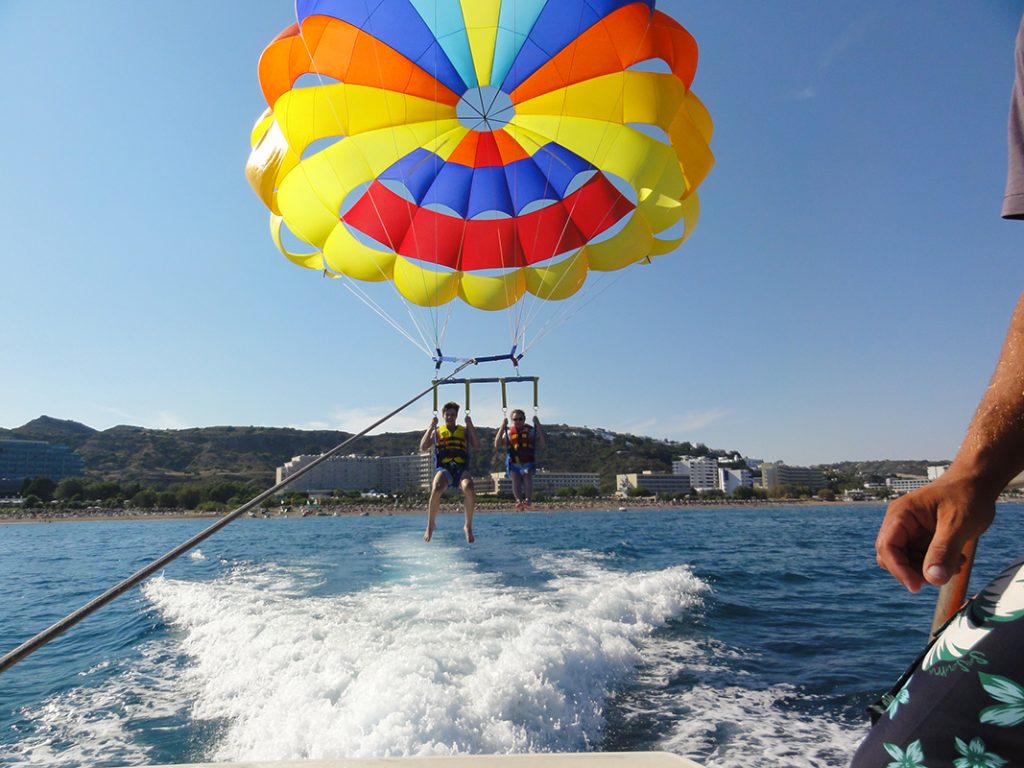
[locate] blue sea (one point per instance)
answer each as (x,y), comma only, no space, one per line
(736,637)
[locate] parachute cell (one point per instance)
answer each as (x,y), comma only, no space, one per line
(479,149)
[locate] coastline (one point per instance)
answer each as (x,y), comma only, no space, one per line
(451,508)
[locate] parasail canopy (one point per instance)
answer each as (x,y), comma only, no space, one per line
(479,149)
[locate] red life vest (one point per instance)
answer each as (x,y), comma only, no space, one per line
(520,445)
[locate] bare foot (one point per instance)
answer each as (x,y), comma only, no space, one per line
(428,533)
(469,535)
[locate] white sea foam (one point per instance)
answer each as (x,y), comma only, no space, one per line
(725,720)
(443,660)
(91,725)
(737,727)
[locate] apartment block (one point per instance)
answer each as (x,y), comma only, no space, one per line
(548,482)
(774,474)
(731,479)
(906,484)
(360,473)
(655,482)
(24,459)
(702,470)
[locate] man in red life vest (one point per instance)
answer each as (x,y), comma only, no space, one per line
(451,443)
(522,442)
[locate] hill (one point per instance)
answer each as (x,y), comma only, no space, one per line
(160,457)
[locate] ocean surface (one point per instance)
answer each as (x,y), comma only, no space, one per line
(737,637)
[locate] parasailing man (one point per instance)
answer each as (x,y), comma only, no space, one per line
(451,443)
(521,442)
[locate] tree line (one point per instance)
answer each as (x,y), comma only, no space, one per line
(213,496)
(80,493)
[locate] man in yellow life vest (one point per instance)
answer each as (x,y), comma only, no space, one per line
(522,442)
(451,443)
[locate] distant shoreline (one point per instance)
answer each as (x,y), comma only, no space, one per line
(485,507)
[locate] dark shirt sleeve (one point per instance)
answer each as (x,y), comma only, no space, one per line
(1013,202)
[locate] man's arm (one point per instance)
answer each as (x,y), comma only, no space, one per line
(924,532)
(499,436)
(541,440)
(427,441)
(474,441)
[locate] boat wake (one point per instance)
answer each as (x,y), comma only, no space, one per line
(443,660)
(439,653)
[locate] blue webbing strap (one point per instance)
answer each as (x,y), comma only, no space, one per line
(512,356)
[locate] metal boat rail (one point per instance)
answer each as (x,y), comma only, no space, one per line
(546,760)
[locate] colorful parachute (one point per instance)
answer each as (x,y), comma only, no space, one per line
(480,148)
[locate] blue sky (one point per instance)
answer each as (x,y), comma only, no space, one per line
(844,295)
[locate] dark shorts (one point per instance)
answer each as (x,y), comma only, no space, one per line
(454,472)
(962,702)
(526,468)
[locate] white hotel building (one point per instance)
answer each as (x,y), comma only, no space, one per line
(399,473)
(654,482)
(731,479)
(775,473)
(548,482)
(702,471)
(360,473)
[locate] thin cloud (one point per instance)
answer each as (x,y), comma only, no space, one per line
(851,37)
(356,419)
(116,415)
(679,426)
(167,420)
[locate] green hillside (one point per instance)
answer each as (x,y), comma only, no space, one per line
(157,458)
(160,457)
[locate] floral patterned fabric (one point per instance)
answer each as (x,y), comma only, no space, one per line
(962,706)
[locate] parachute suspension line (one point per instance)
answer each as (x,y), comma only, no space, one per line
(608,281)
(360,294)
(418,326)
(533,306)
(439,337)
(439,329)
(11,658)
(514,311)
(561,318)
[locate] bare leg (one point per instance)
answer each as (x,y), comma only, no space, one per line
(527,488)
(436,489)
(470,494)
(517,488)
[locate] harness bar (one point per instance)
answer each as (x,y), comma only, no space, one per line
(511,356)
(503,380)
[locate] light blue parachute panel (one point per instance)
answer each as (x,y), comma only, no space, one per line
(444,18)
(514,25)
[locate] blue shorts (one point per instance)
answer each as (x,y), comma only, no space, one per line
(526,468)
(964,694)
(454,471)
